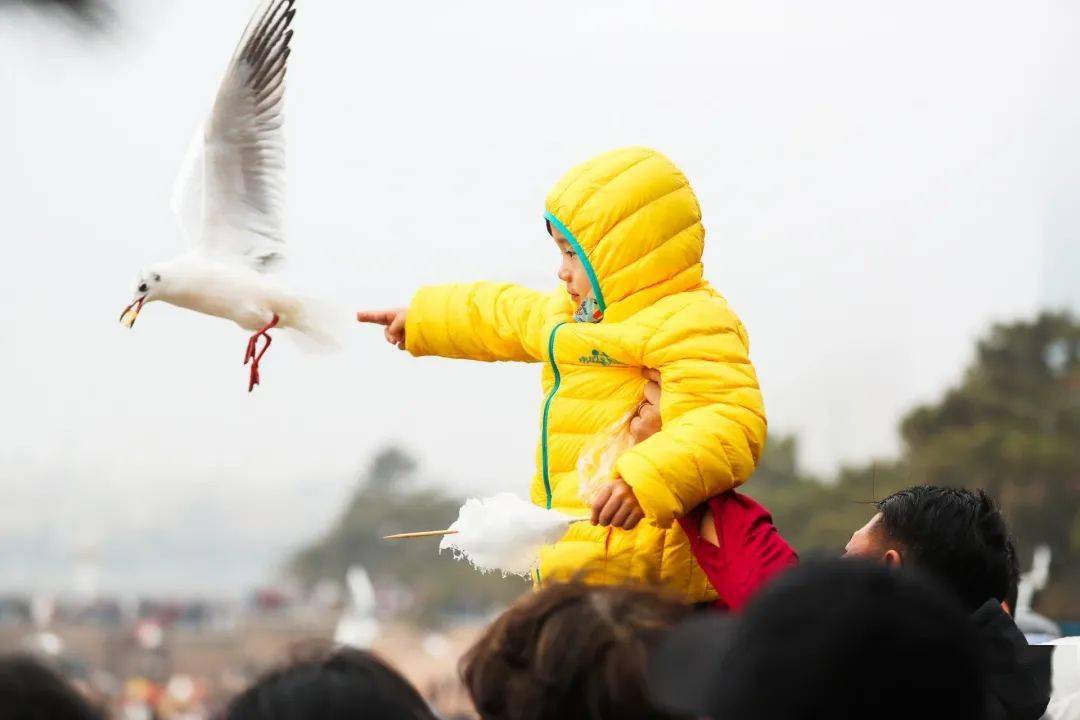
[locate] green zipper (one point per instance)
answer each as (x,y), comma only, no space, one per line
(547,411)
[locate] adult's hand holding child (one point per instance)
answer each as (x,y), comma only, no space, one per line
(616,505)
(646,422)
(392,320)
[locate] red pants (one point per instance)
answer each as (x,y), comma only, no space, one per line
(750,549)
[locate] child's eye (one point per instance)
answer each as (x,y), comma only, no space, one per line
(569,253)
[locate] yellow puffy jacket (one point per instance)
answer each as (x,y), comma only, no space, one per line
(635,224)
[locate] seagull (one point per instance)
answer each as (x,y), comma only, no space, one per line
(229,200)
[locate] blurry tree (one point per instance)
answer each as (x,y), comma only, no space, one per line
(1011,426)
(389,499)
(816,517)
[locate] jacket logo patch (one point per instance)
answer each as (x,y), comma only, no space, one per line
(599,357)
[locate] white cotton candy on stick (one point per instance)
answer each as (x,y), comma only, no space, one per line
(504,533)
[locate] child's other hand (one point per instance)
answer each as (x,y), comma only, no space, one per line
(393,320)
(617,506)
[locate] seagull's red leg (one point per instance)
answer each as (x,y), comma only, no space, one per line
(250,355)
(250,352)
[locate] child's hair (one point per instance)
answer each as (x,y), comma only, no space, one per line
(570,651)
(330,683)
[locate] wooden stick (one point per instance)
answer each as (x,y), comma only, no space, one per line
(422,533)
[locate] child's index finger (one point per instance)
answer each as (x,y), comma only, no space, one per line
(378,317)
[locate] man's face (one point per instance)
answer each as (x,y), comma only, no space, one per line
(869,543)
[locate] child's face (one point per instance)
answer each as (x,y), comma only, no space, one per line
(571,271)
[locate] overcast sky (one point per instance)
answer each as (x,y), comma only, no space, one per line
(879,182)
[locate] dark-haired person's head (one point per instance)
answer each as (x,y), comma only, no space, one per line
(956,536)
(570,651)
(1013,594)
(330,684)
(32,691)
(839,639)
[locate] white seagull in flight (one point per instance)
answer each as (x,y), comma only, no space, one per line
(229,201)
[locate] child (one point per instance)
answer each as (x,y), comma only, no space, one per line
(629,229)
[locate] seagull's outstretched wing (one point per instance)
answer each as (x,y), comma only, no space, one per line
(230,194)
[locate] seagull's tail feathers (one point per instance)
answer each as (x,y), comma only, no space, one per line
(320,326)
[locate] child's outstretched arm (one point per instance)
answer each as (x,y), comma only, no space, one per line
(476,321)
(713,417)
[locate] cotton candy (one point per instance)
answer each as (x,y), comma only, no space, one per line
(504,533)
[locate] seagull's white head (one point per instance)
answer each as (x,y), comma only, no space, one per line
(149,286)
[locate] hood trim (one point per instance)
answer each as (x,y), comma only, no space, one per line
(593,281)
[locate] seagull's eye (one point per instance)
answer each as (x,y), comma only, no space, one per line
(157,278)
(142,287)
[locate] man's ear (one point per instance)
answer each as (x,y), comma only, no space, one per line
(1006,608)
(893,559)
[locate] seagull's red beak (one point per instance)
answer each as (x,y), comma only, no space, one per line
(127,318)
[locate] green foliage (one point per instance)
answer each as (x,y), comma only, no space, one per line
(817,518)
(1011,426)
(389,499)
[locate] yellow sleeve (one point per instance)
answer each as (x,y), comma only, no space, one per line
(476,321)
(712,415)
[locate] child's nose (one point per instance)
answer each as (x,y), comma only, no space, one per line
(564,272)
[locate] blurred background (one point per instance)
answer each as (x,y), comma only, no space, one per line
(892,200)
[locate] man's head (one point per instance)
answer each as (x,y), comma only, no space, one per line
(835,639)
(956,536)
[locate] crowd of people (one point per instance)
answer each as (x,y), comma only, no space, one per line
(914,621)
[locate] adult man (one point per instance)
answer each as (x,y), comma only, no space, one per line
(959,538)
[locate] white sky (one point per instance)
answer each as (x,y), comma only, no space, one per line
(879,182)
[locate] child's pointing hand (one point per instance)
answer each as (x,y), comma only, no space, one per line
(617,506)
(393,320)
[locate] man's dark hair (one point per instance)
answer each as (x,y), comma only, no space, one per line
(1014,579)
(834,639)
(570,651)
(330,684)
(954,535)
(31,691)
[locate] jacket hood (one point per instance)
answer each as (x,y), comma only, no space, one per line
(634,221)
(1017,674)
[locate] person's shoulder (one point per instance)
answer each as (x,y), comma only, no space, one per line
(701,310)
